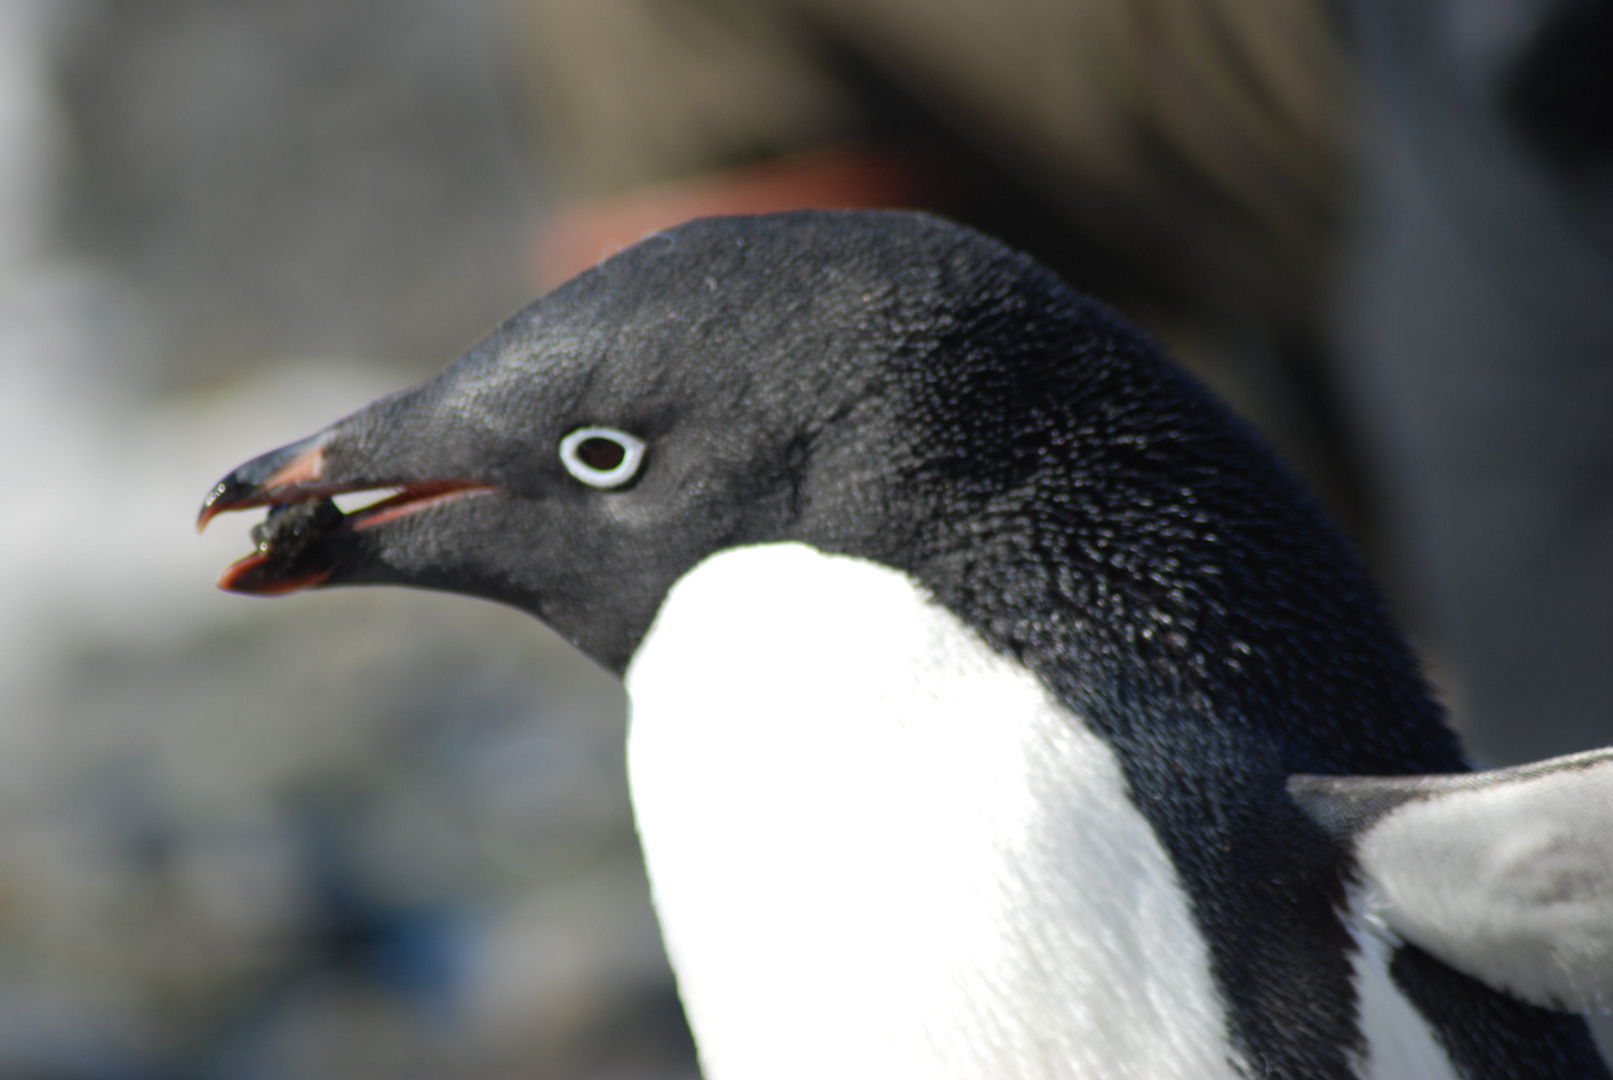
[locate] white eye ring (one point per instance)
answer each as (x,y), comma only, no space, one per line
(592,464)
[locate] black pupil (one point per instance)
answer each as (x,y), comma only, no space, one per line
(601,455)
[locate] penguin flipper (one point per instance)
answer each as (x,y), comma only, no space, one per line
(1505,875)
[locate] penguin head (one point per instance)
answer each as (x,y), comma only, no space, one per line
(884,385)
(729,382)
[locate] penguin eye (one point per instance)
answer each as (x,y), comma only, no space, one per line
(601,457)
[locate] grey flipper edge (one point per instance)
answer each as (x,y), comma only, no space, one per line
(1506,875)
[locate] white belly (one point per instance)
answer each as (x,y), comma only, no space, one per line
(878,848)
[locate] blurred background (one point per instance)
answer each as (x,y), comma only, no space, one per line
(376,833)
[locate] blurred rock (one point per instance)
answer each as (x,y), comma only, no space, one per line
(300,178)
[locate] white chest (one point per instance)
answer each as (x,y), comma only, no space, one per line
(880,849)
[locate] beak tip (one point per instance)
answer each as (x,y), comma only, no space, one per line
(232,576)
(255,575)
(258,481)
(220,499)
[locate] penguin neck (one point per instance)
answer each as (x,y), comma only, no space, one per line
(878,847)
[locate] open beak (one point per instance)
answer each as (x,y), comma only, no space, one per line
(305,536)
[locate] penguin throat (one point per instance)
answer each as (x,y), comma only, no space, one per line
(879,848)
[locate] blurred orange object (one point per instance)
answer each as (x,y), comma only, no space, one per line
(581,234)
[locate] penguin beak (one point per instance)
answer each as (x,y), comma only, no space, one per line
(287,475)
(306,538)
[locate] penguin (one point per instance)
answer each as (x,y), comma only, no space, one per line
(1000,706)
